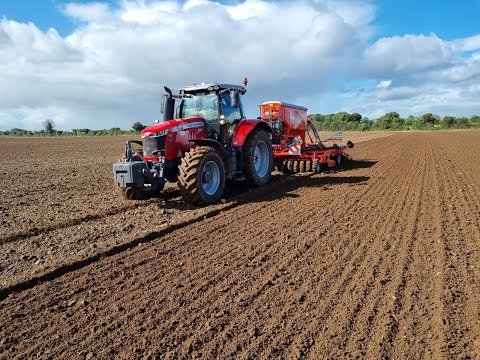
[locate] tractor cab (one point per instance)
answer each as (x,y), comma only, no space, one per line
(219,105)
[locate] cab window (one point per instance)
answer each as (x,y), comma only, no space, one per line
(203,105)
(231,114)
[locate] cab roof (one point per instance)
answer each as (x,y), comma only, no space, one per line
(211,86)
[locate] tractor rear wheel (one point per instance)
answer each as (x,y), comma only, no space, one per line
(201,177)
(258,158)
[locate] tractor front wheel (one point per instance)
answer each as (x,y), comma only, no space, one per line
(201,176)
(258,158)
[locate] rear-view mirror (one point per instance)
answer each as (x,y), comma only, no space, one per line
(234,98)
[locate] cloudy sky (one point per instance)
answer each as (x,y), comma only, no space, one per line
(103,64)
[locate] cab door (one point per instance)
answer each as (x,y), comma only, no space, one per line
(233,115)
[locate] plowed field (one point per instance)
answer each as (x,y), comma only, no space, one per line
(378,260)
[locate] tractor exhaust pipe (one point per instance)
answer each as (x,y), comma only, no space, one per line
(168,105)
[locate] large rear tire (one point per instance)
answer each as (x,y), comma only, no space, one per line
(201,177)
(258,158)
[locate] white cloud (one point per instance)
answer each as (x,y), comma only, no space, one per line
(383,84)
(406,54)
(442,101)
(427,74)
(93,12)
(467,44)
(111,70)
(119,57)
(251,9)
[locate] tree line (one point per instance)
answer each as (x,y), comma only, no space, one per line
(392,121)
(49,130)
(330,122)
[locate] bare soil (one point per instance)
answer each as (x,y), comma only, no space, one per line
(380,259)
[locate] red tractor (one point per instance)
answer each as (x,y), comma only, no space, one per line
(209,140)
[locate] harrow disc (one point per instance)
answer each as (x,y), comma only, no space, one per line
(303,166)
(291,166)
(296,166)
(309,165)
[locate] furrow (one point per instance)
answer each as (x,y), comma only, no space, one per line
(460,234)
(368,273)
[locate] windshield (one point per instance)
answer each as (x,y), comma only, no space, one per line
(203,105)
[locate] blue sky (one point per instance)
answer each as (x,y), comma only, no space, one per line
(106,62)
(448,19)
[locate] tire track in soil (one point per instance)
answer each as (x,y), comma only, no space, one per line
(178,296)
(309,245)
(28,284)
(461,315)
(209,281)
(271,278)
(385,324)
(259,291)
(72,222)
(359,334)
(98,216)
(358,269)
(419,331)
(366,283)
(113,323)
(105,225)
(143,238)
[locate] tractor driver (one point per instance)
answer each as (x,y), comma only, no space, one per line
(232,115)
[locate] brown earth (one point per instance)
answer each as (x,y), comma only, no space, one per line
(378,260)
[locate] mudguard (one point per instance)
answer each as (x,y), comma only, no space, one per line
(245,127)
(214,144)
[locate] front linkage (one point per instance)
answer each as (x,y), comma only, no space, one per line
(138,179)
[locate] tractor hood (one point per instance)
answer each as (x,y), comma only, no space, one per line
(174,125)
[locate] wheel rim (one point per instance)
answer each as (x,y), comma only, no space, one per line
(210,178)
(261,158)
